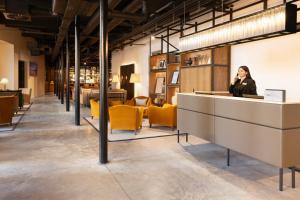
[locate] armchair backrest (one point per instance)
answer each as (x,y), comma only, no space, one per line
(7,108)
(124,117)
(148,103)
(95,108)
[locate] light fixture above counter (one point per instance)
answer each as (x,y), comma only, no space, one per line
(276,21)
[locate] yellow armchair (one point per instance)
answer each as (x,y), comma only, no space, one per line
(94,109)
(166,115)
(124,117)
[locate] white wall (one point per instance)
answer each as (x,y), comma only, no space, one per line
(274,63)
(139,56)
(7,63)
(21,52)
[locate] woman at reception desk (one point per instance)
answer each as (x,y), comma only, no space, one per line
(243,83)
(262,129)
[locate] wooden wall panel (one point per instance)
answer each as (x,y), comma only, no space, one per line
(221,78)
(222,55)
(198,78)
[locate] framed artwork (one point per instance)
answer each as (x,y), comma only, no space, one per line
(162,64)
(159,87)
(175,77)
(33,68)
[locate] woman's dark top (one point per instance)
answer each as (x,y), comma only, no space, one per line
(247,86)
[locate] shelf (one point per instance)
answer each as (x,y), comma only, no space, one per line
(158,70)
(206,65)
(173,85)
(178,63)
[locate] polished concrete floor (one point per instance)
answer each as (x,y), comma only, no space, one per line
(47,157)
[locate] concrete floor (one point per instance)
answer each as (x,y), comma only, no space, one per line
(47,157)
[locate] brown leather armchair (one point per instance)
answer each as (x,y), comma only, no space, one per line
(7,109)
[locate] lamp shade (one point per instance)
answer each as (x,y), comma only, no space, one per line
(135,78)
(4,81)
(115,78)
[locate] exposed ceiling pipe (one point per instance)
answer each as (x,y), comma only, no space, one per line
(131,8)
(94,21)
(58,6)
(166,16)
(145,9)
(129,16)
(70,12)
(134,6)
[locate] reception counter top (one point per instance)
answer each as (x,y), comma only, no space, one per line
(265,130)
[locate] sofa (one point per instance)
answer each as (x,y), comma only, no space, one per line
(8,106)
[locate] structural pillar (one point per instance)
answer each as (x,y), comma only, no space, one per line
(67,74)
(58,78)
(103,62)
(62,78)
(77,73)
(55,79)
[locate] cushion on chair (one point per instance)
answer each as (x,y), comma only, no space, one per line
(141,102)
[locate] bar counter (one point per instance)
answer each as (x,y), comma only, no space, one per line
(267,131)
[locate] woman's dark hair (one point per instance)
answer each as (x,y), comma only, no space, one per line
(246,69)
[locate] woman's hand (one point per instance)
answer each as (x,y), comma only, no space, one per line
(235,79)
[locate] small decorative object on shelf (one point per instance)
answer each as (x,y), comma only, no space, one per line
(189,62)
(162,64)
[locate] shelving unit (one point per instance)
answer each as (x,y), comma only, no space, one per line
(209,70)
(166,73)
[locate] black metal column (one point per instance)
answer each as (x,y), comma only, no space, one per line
(168,46)
(77,73)
(103,62)
(67,74)
(58,78)
(161,44)
(62,94)
(55,79)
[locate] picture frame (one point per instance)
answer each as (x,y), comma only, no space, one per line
(33,69)
(162,64)
(159,87)
(175,76)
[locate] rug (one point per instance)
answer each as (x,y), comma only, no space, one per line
(145,133)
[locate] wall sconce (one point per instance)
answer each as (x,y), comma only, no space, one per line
(272,22)
(135,78)
(4,81)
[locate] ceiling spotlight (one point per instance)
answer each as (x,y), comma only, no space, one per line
(84,63)
(152,37)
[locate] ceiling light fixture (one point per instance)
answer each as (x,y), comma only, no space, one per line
(278,20)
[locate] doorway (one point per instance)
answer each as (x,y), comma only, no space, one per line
(21,74)
(125,72)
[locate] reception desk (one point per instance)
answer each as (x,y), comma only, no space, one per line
(267,131)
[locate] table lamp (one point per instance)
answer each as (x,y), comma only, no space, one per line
(4,81)
(115,79)
(135,78)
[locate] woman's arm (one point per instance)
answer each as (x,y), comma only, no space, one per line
(250,88)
